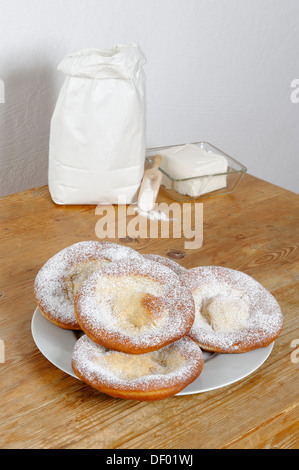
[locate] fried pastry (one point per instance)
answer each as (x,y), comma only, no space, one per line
(144,377)
(58,280)
(233,312)
(134,306)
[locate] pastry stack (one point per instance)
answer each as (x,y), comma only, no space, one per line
(145,319)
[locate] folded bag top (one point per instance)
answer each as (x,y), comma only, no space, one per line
(120,61)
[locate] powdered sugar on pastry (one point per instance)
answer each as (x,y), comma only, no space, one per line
(176,267)
(150,376)
(233,312)
(134,306)
(59,279)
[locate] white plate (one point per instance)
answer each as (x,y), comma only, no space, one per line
(57,344)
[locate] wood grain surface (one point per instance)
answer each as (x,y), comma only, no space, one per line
(255,230)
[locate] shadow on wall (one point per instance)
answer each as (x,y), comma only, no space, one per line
(25,116)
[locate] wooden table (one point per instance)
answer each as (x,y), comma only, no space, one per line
(255,230)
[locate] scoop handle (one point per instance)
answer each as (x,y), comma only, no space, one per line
(156,161)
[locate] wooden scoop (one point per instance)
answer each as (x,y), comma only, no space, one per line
(150,185)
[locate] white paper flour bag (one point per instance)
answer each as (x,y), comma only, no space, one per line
(97,136)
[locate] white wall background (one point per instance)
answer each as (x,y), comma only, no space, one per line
(217,70)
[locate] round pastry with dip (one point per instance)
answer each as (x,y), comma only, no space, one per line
(134,306)
(58,280)
(144,377)
(233,312)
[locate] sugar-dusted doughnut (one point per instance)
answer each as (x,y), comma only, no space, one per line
(233,312)
(144,377)
(58,280)
(134,306)
(176,267)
